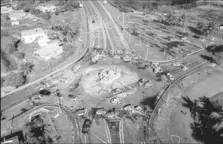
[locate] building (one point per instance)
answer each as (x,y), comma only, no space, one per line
(6,9)
(47,8)
(52,50)
(43,41)
(14,23)
(29,36)
(16,15)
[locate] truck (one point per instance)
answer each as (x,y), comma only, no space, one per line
(86,126)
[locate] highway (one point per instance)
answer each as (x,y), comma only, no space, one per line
(116,37)
(100,40)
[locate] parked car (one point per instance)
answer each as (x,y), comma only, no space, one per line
(44,92)
(86,126)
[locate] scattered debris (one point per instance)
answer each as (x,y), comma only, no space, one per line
(116,101)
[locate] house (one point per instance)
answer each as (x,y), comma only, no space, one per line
(51,50)
(14,23)
(47,8)
(6,9)
(29,36)
(170,76)
(16,15)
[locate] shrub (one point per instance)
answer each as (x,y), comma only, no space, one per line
(35,11)
(14,79)
(27,8)
(7,63)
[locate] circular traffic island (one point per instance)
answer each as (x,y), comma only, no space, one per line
(102,80)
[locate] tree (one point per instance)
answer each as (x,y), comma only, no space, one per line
(14,79)
(209,58)
(214,49)
(7,63)
(27,8)
(208,119)
(27,68)
(36,131)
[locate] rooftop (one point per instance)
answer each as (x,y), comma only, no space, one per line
(49,49)
(16,12)
(31,31)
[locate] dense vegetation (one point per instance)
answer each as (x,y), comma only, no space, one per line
(151,4)
(207,126)
(38,131)
(214,54)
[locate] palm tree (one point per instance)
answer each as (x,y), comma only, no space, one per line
(27,68)
(208,119)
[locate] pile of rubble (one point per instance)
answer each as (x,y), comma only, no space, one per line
(108,75)
(145,83)
(101,80)
(98,54)
(126,56)
(113,114)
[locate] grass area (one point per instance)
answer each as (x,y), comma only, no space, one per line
(179,123)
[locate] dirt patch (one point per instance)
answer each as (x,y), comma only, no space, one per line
(103,79)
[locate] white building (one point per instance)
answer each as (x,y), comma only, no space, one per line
(49,51)
(47,8)
(17,15)
(6,9)
(29,36)
(14,23)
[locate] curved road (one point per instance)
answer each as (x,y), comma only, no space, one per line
(70,115)
(165,92)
